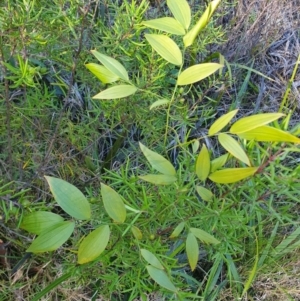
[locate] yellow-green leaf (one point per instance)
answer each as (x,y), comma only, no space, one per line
(115,92)
(151,259)
(203,164)
(113,204)
(159,179)
(192,250)
(233,147)
(231,175)
(177,230)
(137,233)
(218,162)
(165,47)
(204,193)
(251,122)
(159,102)
(181,11)
(204,236)
(93,245)
(267,133)
(221,122)
(102,73)
(166,24)
(197,72)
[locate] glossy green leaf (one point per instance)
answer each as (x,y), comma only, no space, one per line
(39,221)
(218,162)
(251,122)
(52,238)
(177,230)
(231,175)
(102,73)
(159,102)
(161,278)
(166,24)
(233,147)
(93,244)
(203,164)
(190,37)
(112,65)
(165,47)
(137,233)
(159,179)
(69,198)
(204,193)
(157,161)
(181,11)
(197,72)
(204,236)
(113,204)
(192,250)
(116,92)
(151,259)
(266,133)
(221,122)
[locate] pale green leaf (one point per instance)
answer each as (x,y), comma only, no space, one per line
(113,204)
(166,24)
(93,244)
(151,259)
(203,164)
(157,161)
(218,162)
(233,147)
(204,193)
(221,122)
(204,236)
(181,11)
(197,72)
(251,122)
(165,47)
(159,179)
(192,250)
(115,92)
(267,133)
(161,278)
(231,175)
(195,146)
(39,221)
(52,238)
(69,198)
(137,233)
(159,102)
(112,65)
(102,73)
(177,230)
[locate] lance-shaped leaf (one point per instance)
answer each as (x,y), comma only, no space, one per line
(177,230)
(203,164)
(113,204)
(161,278)
(151,259)
(137,233)
(204,236)
(52,238)
(93,244)
(112,65)
(197,72)
(39,221)
(116,92)
(181,11)
(251,122)
(102,73)
(192,250)
(267,133)
(69,198)
(233,148)
(159,179)
(204,193)
(165,47)
(159,102)
(231,175)
(157,161)
(190,37)
(218,162)
(166,24)
(221,122)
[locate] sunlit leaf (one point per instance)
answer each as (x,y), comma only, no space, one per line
(251,122)
(159,179)
(137,233)
(116,92)
(39,221)
(165,47)
(233,147)
(166,24)
(69,198)
(52,238)
(204,193)
(151,259)
(231,175)
(204,236)
(93,244)
(218,162)
(221,122)
(197,72)
(177,230)
(181,11)
(203,164)
(159,102)
(192,250)
(113,204)
(102,73)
